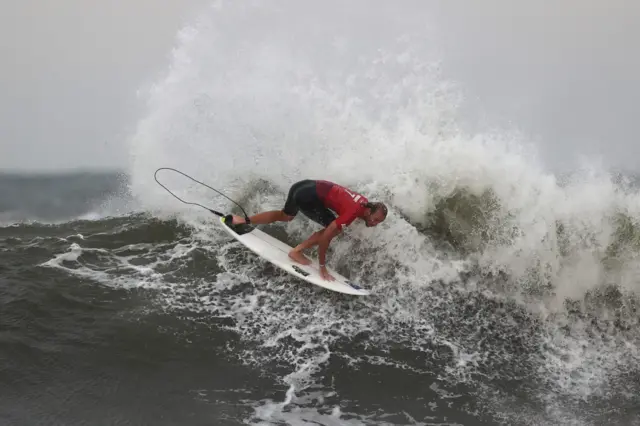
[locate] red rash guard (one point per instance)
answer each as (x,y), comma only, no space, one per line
(347,204)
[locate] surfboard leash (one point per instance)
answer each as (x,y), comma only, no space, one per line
(217,213)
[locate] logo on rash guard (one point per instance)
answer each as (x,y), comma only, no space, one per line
(355,197)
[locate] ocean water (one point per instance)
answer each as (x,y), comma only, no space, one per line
(502,293)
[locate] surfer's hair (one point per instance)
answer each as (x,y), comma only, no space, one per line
(376,207)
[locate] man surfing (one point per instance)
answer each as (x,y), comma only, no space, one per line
(320,201)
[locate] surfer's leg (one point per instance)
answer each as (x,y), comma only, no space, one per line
(265,218)
(288,212)
(296,253)
(322,216)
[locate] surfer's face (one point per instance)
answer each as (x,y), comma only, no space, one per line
(372,219)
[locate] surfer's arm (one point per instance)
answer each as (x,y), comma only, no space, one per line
(334,229)
(327,235)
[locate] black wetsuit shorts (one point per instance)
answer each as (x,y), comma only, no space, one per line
(303,196)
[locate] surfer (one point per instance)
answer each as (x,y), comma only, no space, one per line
(318,200)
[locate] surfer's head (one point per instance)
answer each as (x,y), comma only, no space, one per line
(374,213)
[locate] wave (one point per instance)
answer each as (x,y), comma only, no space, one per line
(463,326)
(502,277)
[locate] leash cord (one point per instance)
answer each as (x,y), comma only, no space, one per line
(201,183)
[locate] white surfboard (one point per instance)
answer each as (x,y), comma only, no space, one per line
(277,252)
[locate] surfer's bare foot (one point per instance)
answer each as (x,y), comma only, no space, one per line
(299,257)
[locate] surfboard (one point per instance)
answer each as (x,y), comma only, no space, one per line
(277,252)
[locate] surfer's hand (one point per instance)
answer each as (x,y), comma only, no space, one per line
(325,274)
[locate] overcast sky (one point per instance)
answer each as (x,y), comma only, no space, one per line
(69,75)
(567,72)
